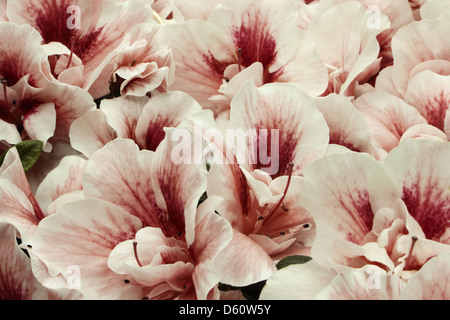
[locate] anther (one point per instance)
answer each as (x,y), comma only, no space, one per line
(290,169)
(72,48)
(136,254)
(413,244)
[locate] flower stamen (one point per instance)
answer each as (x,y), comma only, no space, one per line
(290,169)
(136,254)
(408,257)
(72,48)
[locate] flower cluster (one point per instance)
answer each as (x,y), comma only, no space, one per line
(224,149)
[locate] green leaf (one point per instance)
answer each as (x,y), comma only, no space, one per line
(29,153)
(292,260)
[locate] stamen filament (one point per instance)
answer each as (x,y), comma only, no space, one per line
(136,254)
(72,48)
(408,258)
(290,169)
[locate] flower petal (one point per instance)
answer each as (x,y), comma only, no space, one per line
(337,196)
(165,110)
(91,132)
(278,110)
(64,179)
(418,174)
(388,117)
(120,173)
(89,230)
(16,277)
(297,282)
(430,282)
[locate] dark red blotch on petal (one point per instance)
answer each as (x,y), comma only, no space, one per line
(430,208)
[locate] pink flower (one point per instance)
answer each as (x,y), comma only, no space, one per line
(261,195)
(241,40)
(392,215)
(345,69)
(32,104)
(86,51)
(16,276)
(138,118)
(146,197)
(143,66)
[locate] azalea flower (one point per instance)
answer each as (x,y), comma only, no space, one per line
(145,65)
(232,150)
(239,41)
(138,118)
(33,105)
(81,53)
(346,66)
(147,197)
(392,214)
(261,195)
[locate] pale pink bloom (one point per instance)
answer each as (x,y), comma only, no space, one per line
(348,127)
(430,282)
(35,106)
(388,117)
(260,197)
(355,59)
(387,219)
(394,213)
(145,192)
(418,46)
(138,118)
(429,93)
(103,25)
(61,185)
(19,206)
(310,281)
(237,35)
(144,65)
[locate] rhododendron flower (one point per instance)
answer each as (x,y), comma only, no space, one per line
(261,195)
(32,105)
(89,48)
(145,65)
(346,66)
(262,36)
(368,283)
(155,197)
(138,118)
(224,150)
(392,214)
